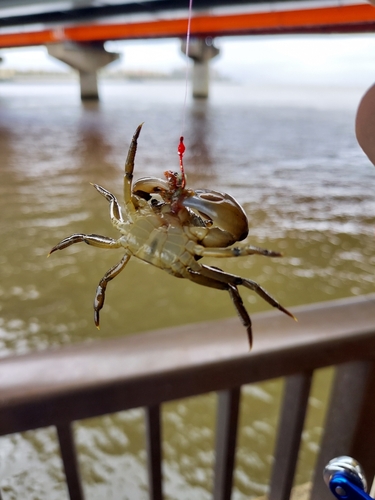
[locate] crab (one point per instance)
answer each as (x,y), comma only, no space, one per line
(172,227)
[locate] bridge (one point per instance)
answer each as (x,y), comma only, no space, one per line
(76,36)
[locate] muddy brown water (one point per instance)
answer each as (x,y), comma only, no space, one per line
(289,156)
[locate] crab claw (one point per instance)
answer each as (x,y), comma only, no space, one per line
(145,186)
(225,212)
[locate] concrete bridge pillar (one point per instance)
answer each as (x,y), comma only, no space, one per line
(86,58)
(201,50)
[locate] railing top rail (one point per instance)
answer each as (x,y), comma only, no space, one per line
(101,377)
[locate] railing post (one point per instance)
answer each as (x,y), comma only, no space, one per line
(226,437)
(154,454)
(69,458)
(363,445)
(292,419)
(347,400)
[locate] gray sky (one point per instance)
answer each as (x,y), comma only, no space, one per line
(345,60)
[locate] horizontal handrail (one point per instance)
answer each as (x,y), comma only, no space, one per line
(81,381)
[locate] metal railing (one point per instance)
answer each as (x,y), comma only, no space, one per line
(57,387)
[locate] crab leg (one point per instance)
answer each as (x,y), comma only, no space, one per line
(239,251)
(219,275)
(201,279)
(114,206)
(243,314)
(129,167)
(100,291)
(91,239)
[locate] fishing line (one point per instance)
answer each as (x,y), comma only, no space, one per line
(187,64)
(181,146)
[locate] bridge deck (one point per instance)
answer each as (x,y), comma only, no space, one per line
(341,19)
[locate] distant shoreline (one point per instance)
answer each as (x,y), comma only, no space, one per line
(7,74)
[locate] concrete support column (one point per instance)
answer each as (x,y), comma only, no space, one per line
(201,50)
(86,58)
(89,85)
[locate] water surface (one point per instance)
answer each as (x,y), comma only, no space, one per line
(289,156)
